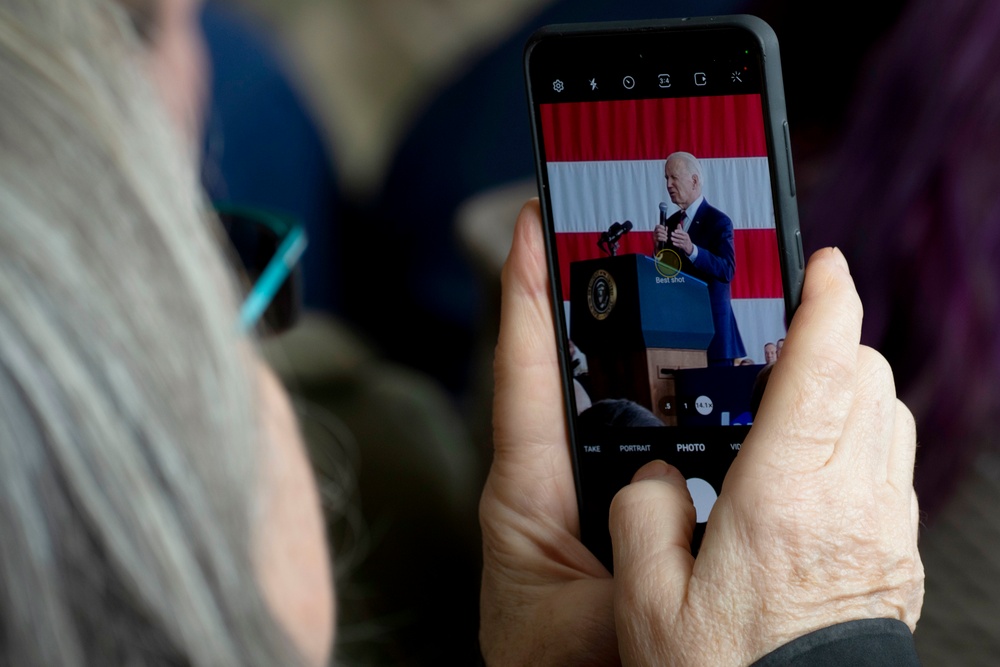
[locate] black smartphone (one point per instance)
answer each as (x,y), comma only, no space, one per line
(667,192)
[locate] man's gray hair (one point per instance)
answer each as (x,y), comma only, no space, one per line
(690,162)
(129,443)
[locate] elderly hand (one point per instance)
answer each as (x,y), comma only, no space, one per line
(682,240)
(817,520)
(546,600)
(661,234)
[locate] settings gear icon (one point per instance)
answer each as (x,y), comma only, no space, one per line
(558,86)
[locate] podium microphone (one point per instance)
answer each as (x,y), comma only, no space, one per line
(619,230)
(608,241)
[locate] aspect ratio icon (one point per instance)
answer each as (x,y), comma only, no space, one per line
(663,80)
(628,82)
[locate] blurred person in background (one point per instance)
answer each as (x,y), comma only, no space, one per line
(770,353)
(911,193)
(158,507)
(401,478)
(177,60)
(422,436)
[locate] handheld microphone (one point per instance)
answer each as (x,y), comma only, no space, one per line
(671,225)
(664,213)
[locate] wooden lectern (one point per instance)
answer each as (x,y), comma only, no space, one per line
(638,321)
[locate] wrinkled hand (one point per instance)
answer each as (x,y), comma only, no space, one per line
(661,234)
(546,600)
(817,520)
(682,240)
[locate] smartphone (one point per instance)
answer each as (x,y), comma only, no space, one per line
(668,197)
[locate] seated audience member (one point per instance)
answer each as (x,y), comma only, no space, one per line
(226,84)
(414,474)
(157,505)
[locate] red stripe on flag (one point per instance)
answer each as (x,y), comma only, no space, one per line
(708,127)
(757,248)
(759,244)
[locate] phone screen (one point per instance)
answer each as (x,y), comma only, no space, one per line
(656,156)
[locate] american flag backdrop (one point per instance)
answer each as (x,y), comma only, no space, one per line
(605,164)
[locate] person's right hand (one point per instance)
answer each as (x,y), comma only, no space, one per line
(817,521)
(661,233)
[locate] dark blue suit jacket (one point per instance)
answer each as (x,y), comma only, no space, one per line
(712,231)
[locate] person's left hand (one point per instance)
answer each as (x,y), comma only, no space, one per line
(682,240)
(546,600)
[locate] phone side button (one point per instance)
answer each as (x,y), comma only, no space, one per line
(788,157)
(798,249)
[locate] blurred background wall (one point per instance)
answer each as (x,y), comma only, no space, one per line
(370,65)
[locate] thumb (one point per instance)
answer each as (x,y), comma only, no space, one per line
(652,521)
(526,405)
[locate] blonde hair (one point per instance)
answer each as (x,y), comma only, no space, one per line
(128,434)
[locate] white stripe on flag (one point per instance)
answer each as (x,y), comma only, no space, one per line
(591,196)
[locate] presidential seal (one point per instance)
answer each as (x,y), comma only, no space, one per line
(602,293)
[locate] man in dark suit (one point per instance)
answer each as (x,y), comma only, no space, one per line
(702,237)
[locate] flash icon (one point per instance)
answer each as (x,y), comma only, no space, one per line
(593,84)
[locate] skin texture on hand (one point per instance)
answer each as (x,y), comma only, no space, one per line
(661,234)
(682,240)
(546,600)
(817,521)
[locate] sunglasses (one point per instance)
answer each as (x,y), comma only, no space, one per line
(269,246)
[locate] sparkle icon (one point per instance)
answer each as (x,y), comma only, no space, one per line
(558,86)
(593,84)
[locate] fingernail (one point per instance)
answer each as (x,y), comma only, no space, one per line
(653,470)
(840,260)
